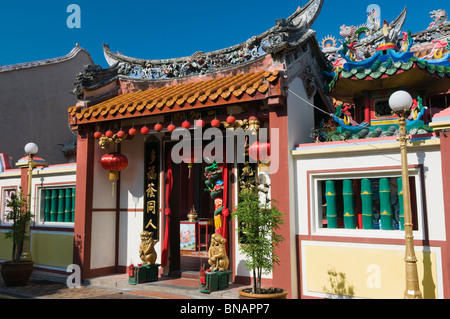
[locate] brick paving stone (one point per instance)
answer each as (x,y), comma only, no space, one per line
(47,286)
(47,289)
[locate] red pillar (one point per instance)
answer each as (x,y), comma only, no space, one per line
(367,108)
(24,181)
(83,204)
(280,192)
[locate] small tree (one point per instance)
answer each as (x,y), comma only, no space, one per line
(20,216)
(258,220)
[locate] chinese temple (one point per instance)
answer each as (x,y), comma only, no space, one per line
(164,148)
(127,178)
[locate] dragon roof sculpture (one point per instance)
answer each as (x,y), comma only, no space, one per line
(382,60)
(362,45)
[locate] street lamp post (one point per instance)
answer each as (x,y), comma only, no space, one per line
(31,150)
(401,102)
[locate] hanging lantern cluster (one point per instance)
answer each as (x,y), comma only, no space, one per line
(114,163)
(111,137)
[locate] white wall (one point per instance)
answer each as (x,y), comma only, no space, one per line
(131,201)
(430,158)
(103,216)
(300,123)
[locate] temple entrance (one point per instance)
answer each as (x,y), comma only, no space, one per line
(192,219)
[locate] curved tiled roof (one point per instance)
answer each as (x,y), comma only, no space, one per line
(300,20)
(390,67)
(165,98)
(354,79)
(13,67)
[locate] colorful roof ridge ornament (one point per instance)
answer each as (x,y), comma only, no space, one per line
(287,34)
(356,47)
(341,125)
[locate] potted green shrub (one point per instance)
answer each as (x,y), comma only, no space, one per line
(259,220)
(17,272)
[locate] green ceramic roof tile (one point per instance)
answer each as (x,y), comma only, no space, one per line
(361,76)
(376,74)
(346,74)
(391,71)
(408,65)
(378,68)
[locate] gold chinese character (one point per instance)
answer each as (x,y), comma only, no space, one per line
(151,173)
(152,156)
(151,191)
(150,223)
(151,207)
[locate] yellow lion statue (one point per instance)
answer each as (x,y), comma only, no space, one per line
(218,259)
(147,250)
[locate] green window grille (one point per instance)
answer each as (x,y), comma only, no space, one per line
(59,205)
(366,203)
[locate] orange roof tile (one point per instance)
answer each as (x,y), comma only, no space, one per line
(180,94)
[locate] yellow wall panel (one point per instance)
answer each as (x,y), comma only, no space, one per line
(5,247)
(365,272)
(51,249)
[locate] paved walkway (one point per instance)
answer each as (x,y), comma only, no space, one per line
(43,285)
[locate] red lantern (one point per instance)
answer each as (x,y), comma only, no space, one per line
(158,127)
(121,134)
(231,120)
(98,134)
(109,133)
(114,162)
(186,125)
(259,151)
(200,123)
(171,128)
(132,131)
(145,130)
(215,123)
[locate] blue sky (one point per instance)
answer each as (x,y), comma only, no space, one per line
(35,30)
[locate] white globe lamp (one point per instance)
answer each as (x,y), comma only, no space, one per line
(400,101)
(31,149)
